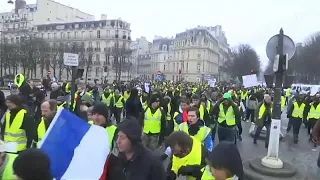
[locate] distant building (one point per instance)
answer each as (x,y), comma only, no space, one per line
(139,47)
(144,66)
(63,25)
(161,54)
(195,56)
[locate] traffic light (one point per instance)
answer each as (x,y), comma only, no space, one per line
(252,71)
(105,69)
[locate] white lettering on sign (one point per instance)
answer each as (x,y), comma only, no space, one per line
(70,59)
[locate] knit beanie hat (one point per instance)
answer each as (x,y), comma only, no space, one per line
(132,129)
(32,164)
(101,109)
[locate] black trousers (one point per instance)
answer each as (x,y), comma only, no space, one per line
(250,113)
(117,114)
(295,123)
(226,134)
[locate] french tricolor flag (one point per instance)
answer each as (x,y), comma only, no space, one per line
(77,150)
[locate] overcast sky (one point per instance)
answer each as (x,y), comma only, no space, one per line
(245,21)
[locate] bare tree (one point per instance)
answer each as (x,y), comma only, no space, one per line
(243,59)
(88,62)
(121,62)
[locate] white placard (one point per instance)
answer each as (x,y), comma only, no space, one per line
(273,149)
(70,59)
(250,80)
(146,87)
(212,82)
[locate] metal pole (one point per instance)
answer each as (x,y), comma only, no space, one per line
(278,84)
(73,88)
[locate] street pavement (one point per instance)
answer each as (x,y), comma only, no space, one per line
(302,155)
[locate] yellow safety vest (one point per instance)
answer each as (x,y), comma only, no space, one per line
(206,174)
(283,103)
(41,130)
(90,122)
(229,117)
(61,105)
(288,92)
(152,122)
(169,113)
(314,113)
(193,158)
(201,111)
(208,106)
(111,130)
(203,132)
(119,103)
(8,170)
(176,125)
(243,95)
(126,95)
(105,100)
(298,111)
(13,133)
(262,110)
(67,88)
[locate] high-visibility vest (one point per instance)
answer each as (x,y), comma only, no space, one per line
(169,112)
(126,95)
(208,105)
(262,110)
(13,133)
(106,100)
(298,111)
(243,95)
(203,132)
(8,170)
(61,106)
(283,103)
(111,130)
(206,174)
(193,158)
(288,92)
(67,88)
(152,122)
(176,125)
(201,111)
(90,122)
(41,130)
(314,112)
(229,117)
(119,104)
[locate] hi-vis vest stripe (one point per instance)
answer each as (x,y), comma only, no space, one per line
(13,133)
(119,104)
(41,130)
(262,110)
(314,112)
(200,136)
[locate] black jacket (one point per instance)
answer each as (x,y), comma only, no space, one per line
(133,105)
(143,166)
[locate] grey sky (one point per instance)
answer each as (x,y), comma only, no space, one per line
(245,21)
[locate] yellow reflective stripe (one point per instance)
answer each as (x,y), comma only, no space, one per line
(14,135)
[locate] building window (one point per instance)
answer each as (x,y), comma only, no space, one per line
(182,55)
(97,57)
(108,33)
(48,35)
(42,35)
(174,67)
(164,48)
(188,56)
(199,54)
(90,34)
(98,44)
(61,35)
(198,66)
(55,35)
(68,35)
(97,71)
(117,32)
(98,34)
(178,54)
(187,67)
(75,34)
(90,44)
(164,67)
(82,34)
(164,57)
